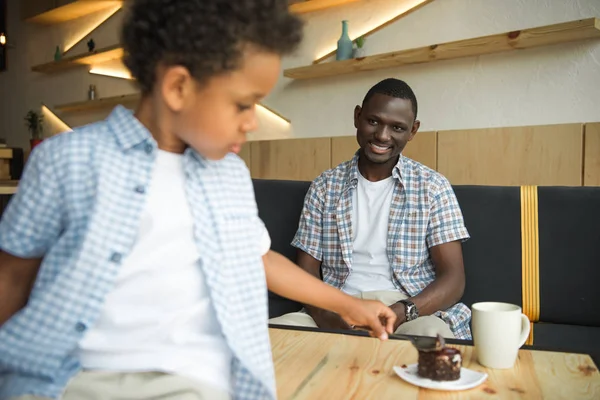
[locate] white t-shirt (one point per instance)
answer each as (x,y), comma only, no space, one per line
(370,215)
(159,316)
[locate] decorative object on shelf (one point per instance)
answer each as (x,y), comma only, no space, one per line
(360,51)
(99,56)
(344,45)
(35,123)
(57,54)
(91,45)
(565,32)
(92,92)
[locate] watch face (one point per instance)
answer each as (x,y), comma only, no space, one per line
(411,311)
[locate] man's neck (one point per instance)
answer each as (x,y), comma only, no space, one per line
(375,172)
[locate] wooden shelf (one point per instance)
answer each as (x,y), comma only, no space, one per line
(306,6)
(74,10)
(523,39)
(107,102)
(97,57)
(127,99)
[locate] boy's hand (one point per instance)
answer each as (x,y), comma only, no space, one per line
(372,315)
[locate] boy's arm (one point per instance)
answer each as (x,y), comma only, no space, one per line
(286,279)
(31,223)
(17,276)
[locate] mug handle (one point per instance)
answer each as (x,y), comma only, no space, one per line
(525,328)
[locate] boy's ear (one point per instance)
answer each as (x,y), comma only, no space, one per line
(176,85)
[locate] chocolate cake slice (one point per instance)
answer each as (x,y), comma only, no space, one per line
(440,364)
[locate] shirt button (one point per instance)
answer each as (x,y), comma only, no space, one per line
(140,189)
(115,257)
(80,327)
(148,148)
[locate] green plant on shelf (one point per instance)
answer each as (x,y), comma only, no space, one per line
(35,123)
(360,41)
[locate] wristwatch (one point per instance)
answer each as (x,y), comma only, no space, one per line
(411,310)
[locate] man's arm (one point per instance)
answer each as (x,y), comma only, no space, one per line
(445,231)
(323,318)
(17,276)
(309,241)
(286,279)
(448,286)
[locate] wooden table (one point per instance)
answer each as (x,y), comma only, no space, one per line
(315,365)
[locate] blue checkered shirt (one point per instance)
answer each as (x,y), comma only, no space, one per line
(78,206)
(424,213)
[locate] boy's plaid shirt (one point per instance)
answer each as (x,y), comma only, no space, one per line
(78,206)
(424,213)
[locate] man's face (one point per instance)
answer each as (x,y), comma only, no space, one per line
(384,125)
(215,116)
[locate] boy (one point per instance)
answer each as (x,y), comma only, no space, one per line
(131,260)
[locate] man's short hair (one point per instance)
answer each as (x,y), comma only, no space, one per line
(394,88)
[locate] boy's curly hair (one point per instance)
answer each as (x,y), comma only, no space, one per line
(205,36)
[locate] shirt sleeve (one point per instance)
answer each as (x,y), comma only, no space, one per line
(265,240)
(446,222)
(310,228)
(33,220)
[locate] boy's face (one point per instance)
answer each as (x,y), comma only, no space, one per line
(213,117)
(384,125)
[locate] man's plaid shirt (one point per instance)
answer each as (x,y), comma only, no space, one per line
(424,213)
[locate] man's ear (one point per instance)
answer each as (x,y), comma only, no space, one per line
(415,128)
(357,111)
(176,85)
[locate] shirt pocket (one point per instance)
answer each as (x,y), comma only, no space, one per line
(411,245)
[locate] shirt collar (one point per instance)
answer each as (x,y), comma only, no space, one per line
(128,130)
(352,178)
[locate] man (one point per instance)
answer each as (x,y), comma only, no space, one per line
(382,226)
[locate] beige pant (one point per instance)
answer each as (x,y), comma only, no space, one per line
(96,385)
(428,325)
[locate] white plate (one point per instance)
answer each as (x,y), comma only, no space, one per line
(468,379)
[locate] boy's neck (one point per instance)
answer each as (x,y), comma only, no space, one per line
(156,119)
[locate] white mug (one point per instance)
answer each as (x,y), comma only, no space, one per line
(499,331)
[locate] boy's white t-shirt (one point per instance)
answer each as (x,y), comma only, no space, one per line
(159,316)
(371,269)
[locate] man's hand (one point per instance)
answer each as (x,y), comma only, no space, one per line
(369,314)
(328,320)
(400,310)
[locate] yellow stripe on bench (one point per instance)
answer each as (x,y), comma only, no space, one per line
(530,255)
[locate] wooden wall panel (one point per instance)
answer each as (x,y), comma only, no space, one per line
(534,155)
(591,167)
(423,148)
(293,159)
(342,149)
(245,155)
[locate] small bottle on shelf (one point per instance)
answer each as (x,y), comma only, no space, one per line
(92,92)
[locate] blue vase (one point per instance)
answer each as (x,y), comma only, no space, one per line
(344,45)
